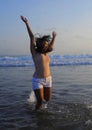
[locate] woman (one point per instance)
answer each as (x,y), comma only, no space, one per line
(41,80)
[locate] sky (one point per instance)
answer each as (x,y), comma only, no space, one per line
(70,19)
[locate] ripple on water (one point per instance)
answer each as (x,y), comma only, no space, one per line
(69,116)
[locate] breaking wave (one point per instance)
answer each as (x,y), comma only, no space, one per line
(56,60)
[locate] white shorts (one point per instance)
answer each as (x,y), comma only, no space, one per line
(38,83)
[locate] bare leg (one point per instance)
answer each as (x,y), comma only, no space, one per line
(47,93)
(39,93)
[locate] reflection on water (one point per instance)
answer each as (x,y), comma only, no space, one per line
(69,116)
(69,109)
(63,116)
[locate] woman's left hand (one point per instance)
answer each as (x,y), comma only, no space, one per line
(54,34)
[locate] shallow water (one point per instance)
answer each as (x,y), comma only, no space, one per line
(69,109)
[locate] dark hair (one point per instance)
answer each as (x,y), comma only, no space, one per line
(40,44)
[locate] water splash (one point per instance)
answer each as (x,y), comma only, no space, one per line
(32,98)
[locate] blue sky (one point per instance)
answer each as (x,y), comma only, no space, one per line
(71,19)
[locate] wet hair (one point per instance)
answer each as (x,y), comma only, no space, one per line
(40,44)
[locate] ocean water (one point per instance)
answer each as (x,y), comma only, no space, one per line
(56,60)
(70,107)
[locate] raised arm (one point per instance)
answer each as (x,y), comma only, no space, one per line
(31,35)
(53,39)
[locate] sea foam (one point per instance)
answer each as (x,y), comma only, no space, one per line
(56,60)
